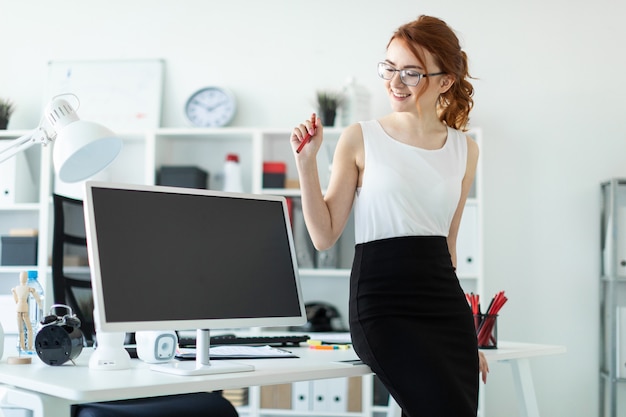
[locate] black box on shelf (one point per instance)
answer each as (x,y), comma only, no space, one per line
(19,250)
(274,174)
(183,176)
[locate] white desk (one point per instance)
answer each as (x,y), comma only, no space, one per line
(50,390)
(517,355)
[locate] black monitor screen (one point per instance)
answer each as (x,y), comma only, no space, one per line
(176,258)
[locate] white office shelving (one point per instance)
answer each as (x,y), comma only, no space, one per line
(612,296)
(32,213)
(146,151)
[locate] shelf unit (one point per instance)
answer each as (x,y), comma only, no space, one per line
(33,213)
(612,363)
(146,151)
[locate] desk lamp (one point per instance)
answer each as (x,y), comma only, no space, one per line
(81,149)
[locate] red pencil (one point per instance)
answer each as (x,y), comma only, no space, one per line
(307,137)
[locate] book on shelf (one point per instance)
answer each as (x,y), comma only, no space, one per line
(28,232)
(237,396)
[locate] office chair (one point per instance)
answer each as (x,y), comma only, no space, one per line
(69,238)
(199,404)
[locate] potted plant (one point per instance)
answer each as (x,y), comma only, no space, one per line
(327,104)
(6,110)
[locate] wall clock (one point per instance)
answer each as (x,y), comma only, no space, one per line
(211,107)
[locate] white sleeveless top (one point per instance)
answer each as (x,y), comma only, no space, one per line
(407,191)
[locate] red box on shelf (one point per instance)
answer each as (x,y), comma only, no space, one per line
(274,174)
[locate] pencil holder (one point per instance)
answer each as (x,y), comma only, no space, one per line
(486,330)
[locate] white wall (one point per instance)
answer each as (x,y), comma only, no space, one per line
(549,98)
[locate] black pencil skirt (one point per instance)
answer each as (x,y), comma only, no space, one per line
(411,323)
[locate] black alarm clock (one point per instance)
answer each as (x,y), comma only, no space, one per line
(60,339)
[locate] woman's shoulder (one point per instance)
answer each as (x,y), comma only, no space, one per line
(470,144)
(464,137)
(367,127)
(353,134)
(351,144)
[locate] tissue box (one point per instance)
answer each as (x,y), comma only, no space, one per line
(19,250)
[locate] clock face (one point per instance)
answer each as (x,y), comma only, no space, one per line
(211,107)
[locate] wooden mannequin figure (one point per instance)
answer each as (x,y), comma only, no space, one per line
(20,295)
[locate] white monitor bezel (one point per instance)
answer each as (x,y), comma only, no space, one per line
(131,326)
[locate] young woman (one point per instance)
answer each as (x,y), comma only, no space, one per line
(408,175)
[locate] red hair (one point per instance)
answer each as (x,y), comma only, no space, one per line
(435,36)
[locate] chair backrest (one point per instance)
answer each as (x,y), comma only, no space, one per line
(69,249)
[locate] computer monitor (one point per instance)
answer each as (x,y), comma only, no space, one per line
(171,258)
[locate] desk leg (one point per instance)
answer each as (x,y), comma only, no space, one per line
(41,405)
(393,409)
(524,387)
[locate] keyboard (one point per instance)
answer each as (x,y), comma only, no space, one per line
(231,339)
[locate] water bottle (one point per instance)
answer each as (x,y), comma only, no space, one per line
(35,314)
(356,103)
(232,174)
(35,310)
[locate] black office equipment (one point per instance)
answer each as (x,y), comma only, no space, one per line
(198,404)
(183,176)
(276,340)
(69,237)
(18,250)
(60,339)
(168,258)
(321,317)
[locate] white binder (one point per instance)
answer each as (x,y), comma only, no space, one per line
(320,395)
(621,236)
(616,265)
(620,331)
(16,181)
(467,242)
(330,395)
(301,396)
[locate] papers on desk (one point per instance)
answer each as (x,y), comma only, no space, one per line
(237,352)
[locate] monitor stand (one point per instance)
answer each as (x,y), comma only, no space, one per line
(202,365)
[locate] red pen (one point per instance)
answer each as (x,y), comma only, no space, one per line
(307,137)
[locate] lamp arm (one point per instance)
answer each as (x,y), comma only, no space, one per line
(16,146)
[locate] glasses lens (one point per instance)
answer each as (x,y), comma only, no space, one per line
(410,77)
(385,71)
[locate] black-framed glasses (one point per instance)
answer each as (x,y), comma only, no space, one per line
(409,77)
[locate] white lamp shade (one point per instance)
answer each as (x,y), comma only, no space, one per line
(82,149)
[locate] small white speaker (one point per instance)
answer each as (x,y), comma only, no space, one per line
(156,346)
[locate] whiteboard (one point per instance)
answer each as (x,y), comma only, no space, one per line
(120,94)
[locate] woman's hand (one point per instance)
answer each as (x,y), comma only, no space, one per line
(483,366)
(307,137)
